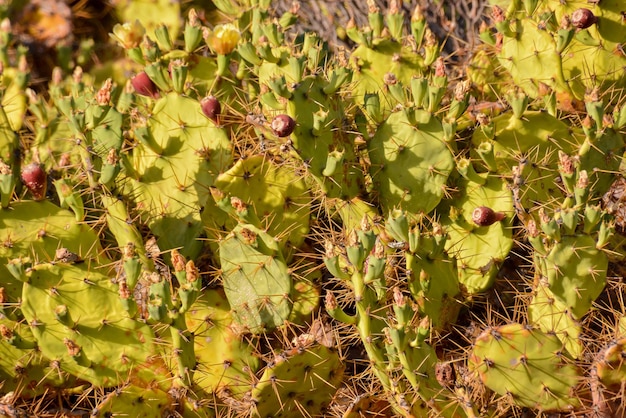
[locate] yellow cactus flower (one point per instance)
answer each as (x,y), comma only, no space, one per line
(128,35)
(223,39)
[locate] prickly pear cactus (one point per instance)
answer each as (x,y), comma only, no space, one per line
(568,47)
(102,346)
(224,361)
(432,276)
(300,380)
(479,229)
(526,365)
(411,139)
(179,154)
(277,195)
(24,370)
(530,142)
(37,230)
(256,279)
(570,268)
(135,401)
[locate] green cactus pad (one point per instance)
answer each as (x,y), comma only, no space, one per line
(576,272)
(55,139)
(535,133)
(299,382)
(352,212)
(535,139)
(14,101)
(135,401)
(315,137)
(224,360)
(434,285)
(549,314)
(23,369)
(306,298)
(593,58)
(37,230)
(102,346)
(170,187)
(527,365)
(601,158)
(256,280)
(410,161)
(532,51)
(105,125)
(278,195)
(13,104)
(486,74)
(479,250)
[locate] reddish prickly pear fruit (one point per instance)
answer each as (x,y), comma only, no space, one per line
(211,108)
(144,85)
(36,180)
(485,216)
(583,18)
(283,125)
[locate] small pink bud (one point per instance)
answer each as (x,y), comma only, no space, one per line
(283,125)
(440,67)
(103,97)
(484,216)
(144,86)
(497,14)
(583,18)
(211,108)
(36,180)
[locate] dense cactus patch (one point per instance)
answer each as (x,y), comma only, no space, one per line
(227,216)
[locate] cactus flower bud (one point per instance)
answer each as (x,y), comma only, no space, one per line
(192,271)
(223,39)
(211,108)
(178,261)
(485,216)
(583,18)
(144,85)
(36,180)
(283,125)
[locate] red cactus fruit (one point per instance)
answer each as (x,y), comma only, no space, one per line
(583,18)
(283,125)
(144,85)
(485,216)
(211,108)
(36,180)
